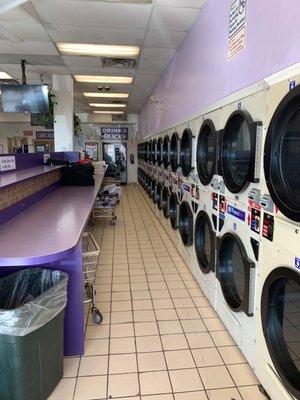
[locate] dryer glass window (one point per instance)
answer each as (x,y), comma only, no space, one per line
(236,268)
(204,242)
(239,152)
(206,152)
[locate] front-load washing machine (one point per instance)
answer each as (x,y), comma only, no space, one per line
(186,230)
(174,151)
(186,152)
(166,151)
(159,151)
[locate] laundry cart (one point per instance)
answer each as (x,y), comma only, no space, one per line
(90,256)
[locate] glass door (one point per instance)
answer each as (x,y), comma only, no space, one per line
(115,156)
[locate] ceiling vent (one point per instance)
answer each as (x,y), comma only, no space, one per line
(118,63)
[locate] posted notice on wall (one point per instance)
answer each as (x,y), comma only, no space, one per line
(7,163)
(237,28)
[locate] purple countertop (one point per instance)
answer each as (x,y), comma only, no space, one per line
(17,176)
(50,229)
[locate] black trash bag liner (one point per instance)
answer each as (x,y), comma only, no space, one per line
(55,161)
(30,298)
(78,175)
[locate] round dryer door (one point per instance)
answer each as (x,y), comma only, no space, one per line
(280,311)
(165,202)
(207,152)
(165,151)
(173,211)
(153,191)
(159,151)
(234,273)
(186,144)
(158,196)
(152,188)
(205,243)
(282,156)
(186,223)
(174,144)
(153,152)
(150,151)
(238,151)
(148,184)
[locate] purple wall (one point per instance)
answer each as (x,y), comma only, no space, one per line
(200,75)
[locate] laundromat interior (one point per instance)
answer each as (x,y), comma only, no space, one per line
(149,200)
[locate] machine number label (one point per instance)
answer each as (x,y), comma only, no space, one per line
(186,188)
(236,213)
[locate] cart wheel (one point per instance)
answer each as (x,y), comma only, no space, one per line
(112,222)
(115,218)
(89,290)
(97,316)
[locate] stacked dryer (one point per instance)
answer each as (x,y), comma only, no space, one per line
(278,291)
(240,150)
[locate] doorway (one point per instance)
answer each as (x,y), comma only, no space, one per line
(43,146)
(115,156)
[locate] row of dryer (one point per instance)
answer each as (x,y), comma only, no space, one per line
(227,187)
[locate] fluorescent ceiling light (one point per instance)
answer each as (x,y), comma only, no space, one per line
(109,112)
(107,105)
(98,50)
(103,79)
(107,95)
(4,75)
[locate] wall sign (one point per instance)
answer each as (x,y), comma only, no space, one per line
(42,135)
(237,28)
(7,163)
(114,133)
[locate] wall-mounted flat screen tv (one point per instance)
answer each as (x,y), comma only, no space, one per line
(31,99)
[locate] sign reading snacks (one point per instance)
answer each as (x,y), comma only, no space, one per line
(45,135)
(114,133)
(7,163)
(237,28)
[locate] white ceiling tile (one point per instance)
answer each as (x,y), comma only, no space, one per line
(52,69)
(157,54)
(91,62)
(24,47)
(168,39)
(181,3)
(93,13)
(95,35)
(152,65)
(179,19)
(19,31)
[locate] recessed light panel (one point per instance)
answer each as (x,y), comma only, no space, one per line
(107,95)
(103,79)
(98,50)
(109,112)
(107,105)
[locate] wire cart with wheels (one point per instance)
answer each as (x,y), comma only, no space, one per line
(90,255)
(105,207)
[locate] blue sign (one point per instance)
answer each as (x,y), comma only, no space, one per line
(292,85)
(236,213)
(297,263)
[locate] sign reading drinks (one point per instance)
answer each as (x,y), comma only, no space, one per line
(114,133)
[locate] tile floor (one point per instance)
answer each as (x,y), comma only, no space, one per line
(160,339)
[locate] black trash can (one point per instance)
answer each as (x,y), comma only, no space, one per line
(32,303)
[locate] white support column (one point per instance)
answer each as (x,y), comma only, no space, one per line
(63,112)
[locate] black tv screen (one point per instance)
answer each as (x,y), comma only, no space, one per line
(31,99)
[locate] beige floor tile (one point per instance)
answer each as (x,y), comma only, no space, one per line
(103,288)
(139,286)
(199,340)
(222,338)
(157,286)
(174,342)
(151,362)
(169,327)
(142,305)
(242,374)
(207,357)
(120,287)
(191,396)
(71,365)
(121,306)
(121,317)
(207,312)
(121,279)
(160,294)
(64,390)
(176,285)
(214,324)
(122,345)
(141,295)
(92,387)
(156,278)
(138,279)
(160,304)
(251,392)
(146,328)
(193,325)
(225,394)
(121,330)
(196,292)
(96,365)
(120,296)
(123,385)
(95,347)
(144,316)
(215,377)
(185,380)
(184,302)
(232,355)
(178,293)
(179,359)
(104,306)
(201,302)
(97,332)
(156,382)
(188,313)
(122,363)
(158,397)
(148,344)
(166,314)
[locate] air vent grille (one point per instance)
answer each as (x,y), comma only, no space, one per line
(118,63)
